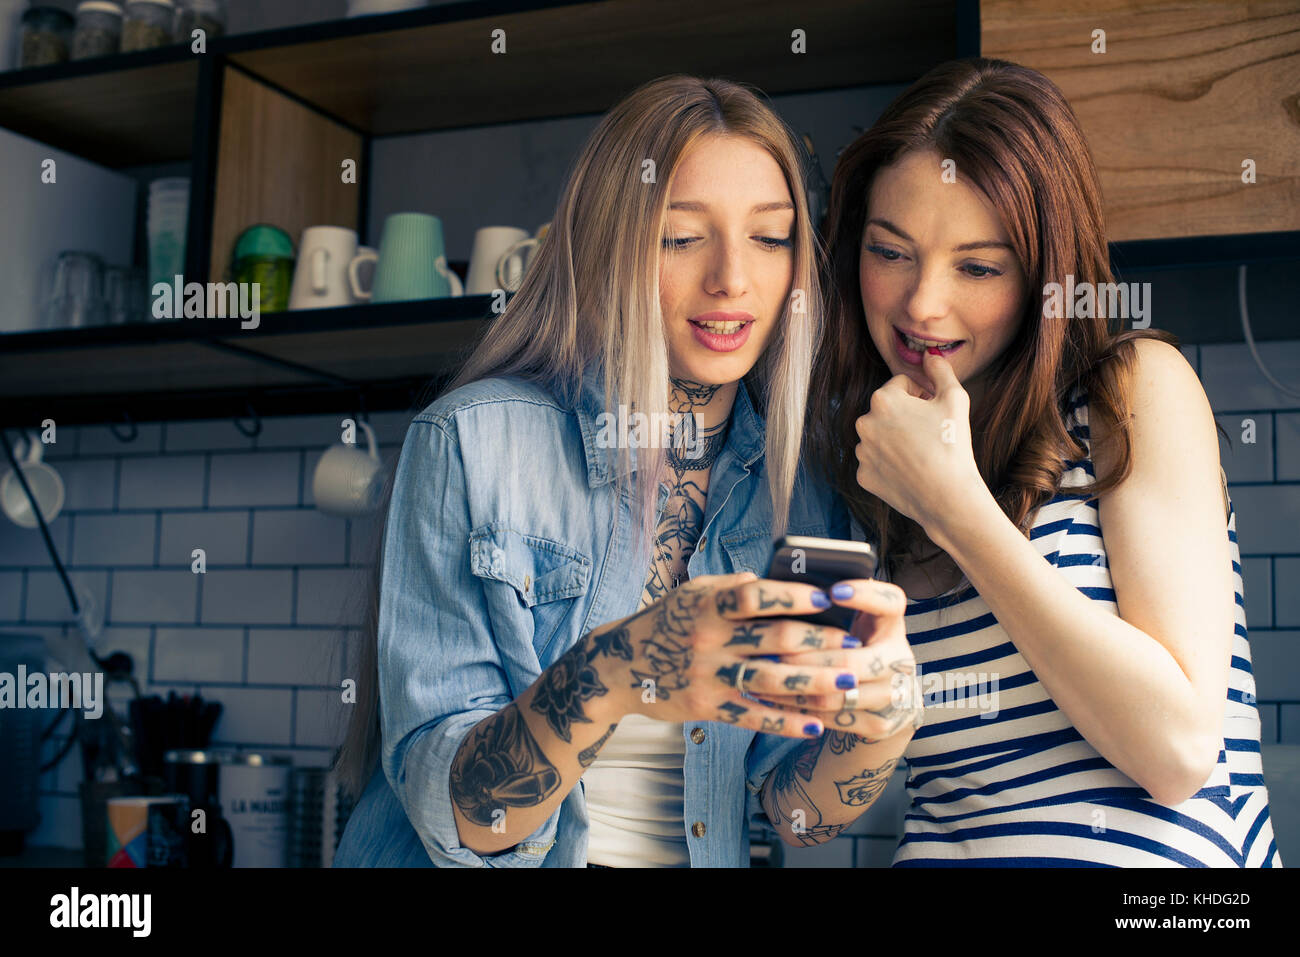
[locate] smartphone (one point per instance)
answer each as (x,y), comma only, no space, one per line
(822,562)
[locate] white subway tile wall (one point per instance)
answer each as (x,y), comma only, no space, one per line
(268,628)
(263,629)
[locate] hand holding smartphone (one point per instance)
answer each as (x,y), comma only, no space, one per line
(822,562)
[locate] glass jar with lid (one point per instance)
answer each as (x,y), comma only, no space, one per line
(98,31)
(148,24)
(47,35)
(206,15)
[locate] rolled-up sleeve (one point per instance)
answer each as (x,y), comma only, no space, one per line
(766,751)
(440,665)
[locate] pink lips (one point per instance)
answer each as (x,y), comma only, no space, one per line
(911,356)
(716,341)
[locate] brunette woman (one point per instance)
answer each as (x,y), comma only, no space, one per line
(1046,490)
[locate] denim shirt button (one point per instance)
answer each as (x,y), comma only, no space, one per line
(697,735)
(698,828)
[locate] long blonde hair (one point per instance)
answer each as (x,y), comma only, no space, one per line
(591,295)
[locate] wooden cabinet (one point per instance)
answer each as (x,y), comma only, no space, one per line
(1185,92)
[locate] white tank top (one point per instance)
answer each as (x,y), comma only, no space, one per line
(634,796)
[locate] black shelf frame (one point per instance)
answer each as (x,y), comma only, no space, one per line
(365,315)
(326,391)
(1202,251)
(281,37)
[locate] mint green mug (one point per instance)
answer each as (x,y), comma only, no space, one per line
(411,262)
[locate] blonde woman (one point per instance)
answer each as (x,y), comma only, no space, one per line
(570,634)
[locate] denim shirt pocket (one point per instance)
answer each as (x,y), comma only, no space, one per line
(750,549)
(542,572)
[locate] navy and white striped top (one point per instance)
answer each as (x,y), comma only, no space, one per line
(1019,786)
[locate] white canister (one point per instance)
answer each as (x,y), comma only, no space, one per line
(254,792)
(11,27)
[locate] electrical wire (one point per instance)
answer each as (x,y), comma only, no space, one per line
(74,735)
(1250,339)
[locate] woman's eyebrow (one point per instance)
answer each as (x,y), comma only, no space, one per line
(983,244)
(979,244)
(692,206)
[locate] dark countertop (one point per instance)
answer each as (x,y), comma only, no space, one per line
(47,857)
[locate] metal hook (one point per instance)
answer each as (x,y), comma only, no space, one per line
(257,422)
(131,437)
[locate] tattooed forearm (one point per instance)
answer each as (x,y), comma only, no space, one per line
(864,788)
(792,807)
(500,765)
(564,686)
(587,756)
(573,679)
(788,798)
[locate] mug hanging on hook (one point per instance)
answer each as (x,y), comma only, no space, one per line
(38,486)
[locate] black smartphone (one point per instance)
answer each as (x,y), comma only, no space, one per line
(822,562)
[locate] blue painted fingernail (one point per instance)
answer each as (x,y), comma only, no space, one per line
(846,681)
(842,591)
(851,642)
(821,600)
(770,704)
(812,730)
(768,657)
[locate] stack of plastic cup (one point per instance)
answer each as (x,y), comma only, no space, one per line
(169,205)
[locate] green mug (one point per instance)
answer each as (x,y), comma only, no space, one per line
(412,261)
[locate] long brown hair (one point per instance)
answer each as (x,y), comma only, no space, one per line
(591,295)
(1014,137)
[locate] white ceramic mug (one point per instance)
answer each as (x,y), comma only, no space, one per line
(347,481)
(44,482)
(514,262)
(322,278)
(490,243)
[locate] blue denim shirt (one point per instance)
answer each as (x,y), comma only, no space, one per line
(505,545)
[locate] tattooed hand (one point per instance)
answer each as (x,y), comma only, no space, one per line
(888,698)
(682,657)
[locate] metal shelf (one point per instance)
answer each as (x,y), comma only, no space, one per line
(312,360)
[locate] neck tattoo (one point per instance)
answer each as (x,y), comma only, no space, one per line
(687,396)
(694,448)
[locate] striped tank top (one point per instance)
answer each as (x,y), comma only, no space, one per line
(997,774)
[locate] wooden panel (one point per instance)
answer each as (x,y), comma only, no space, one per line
(121,117)
(1186,90)
(278,162)
(581,58)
